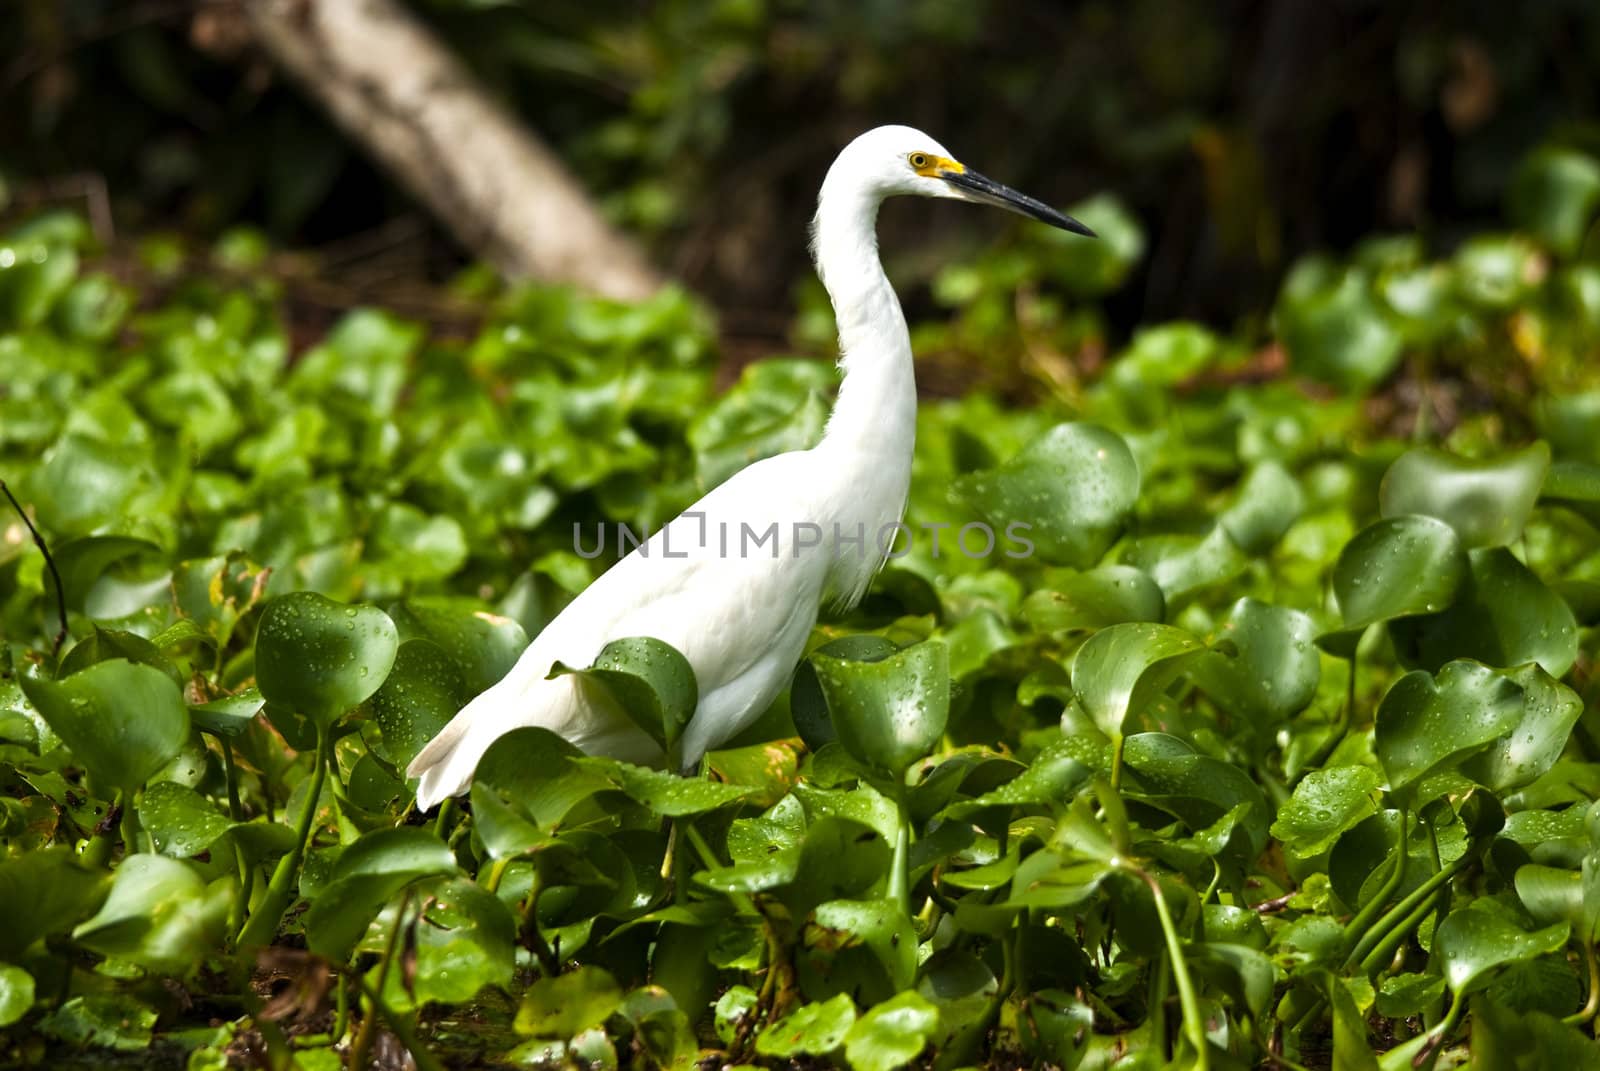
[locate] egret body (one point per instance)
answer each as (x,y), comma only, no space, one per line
(737,605)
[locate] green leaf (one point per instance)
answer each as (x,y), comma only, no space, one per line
(160,914)
(422,692)
(115,1021)
(465,942)
(1554,196)
(1425,724)
(45,892)
(1273,668)
(365,877)
(321,658)
(1506,1040)
(484,645)
(229,716)
(1074,489)
(568,1004)
(122,721)
(1267,502)
(651,681)
(1396,567)
(815,1029)
(1198,789)
(1121,670)
(892,1034)
(1326,803)
(808,706)
(528,781)
(1109,595)
(82,483)
(85,560)
(891,712)
(1472,944)
(16,993)
(181,821)
(1552,894)
(1053,778)
(667,794)
(1549,711)
(416,546)
(1486,502)
(1503,616)
(1339,332)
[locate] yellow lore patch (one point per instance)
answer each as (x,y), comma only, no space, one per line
(928,165)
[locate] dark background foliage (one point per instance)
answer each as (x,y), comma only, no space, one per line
(1242,134)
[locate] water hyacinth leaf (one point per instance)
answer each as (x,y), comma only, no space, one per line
(733,1009)
(466,942)
(1396,567)
(1549,711)
(1496,271)
(1524,1040)
(782,826)
(1109,595)
(1339,332)
(1120,670)
(1554,196)
(867,948)
(1325,803)
(1197,789)
(1471,944)
(1486,502)
(1575,485)
(651,681)
(118,1022)
(121,720)
(1245,974)
(891,712)
(321,658)
(814,1029)
(83,561)
(104,645)
(1554,894)
(182,822)
(1185,564)
(16,993)
(82,483)
(160,914)
(1425,723)
(45,893)
(667,794)
(839,858)
(527,782)
(1503,615)
(892,1034)
(230,715)
(1075,488)
(484,645)
(1272,669)
(1268,501)
(416,546)
(366,876)
(1053,777)
(808,706)
(422,692)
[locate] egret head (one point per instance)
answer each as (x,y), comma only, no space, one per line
(894,160)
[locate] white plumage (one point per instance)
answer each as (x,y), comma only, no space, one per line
(738,606)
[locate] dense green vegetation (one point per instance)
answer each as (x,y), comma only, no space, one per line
(1281,747)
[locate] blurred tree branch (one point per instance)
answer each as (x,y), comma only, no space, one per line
(399,92)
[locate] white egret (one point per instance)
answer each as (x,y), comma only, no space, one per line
(716,582)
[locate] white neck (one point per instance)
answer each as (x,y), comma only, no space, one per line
(877,406)
(872,431)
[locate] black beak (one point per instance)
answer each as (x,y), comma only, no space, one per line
(987,190)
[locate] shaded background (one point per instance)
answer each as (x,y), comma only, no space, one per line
(1239,135)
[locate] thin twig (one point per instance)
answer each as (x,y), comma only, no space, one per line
(50,563)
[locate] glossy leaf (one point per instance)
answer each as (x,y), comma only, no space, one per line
(1396,567)
(1549,711)
(815,1029)
(122,721)
(1486,502)
(1426,723)
(321,658)
(366,876)
(160,914)
(1122,669)
(652,683)
(45,893)
(16,993)
(1075,488)
(892,1034)
(568,1004)
(890,712)
(1326,803)
(1472,944)
(1266,666)
(1109,595)
(421,693)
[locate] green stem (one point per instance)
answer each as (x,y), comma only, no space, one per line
(262,925)
(530,926)
(129,830)
(231,775)
(1404,908)
(1116,762)
(1436,1037)
(363,1042)
(497,871)
(900,868)
(1592,1005)
(1194,1024)
(1392,935)
(402,1029)
(447,811)
(1357,927)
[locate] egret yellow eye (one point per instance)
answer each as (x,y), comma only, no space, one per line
(918,160)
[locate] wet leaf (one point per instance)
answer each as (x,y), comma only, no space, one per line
(651,681)
(422,692)
(1472,944)
(890,712)
(815,1029)
(122,721)
(1326,803)
(1272,667)
(1075,488)
(1396,567)
(321,658)
(160,914)
(1122,669)
(16,993)
(892,1034)
(1425,723)
(366,876)
(1486,502)
(1549,711)
(1109,595)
